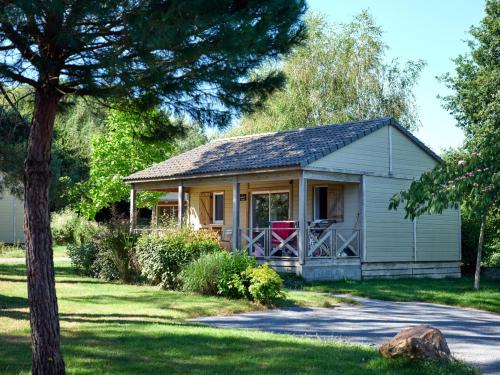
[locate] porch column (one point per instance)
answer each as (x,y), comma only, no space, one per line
(180,205)
(236,244)
(133,208)
(302,240)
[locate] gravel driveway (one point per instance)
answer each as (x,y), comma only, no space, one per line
(472,335)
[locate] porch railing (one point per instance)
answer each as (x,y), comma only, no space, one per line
(332,243)
(283,243)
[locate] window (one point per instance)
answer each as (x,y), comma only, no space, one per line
(329,203)
(320,203)
(269,206)
(218,206)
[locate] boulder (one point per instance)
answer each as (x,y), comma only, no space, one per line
(421,341)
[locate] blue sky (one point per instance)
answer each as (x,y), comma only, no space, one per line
(431,30)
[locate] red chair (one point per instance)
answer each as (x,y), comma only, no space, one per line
(282,230)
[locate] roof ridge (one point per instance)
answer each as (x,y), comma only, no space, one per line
(389,119)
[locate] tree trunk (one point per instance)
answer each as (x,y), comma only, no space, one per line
(477,275)
(44,319)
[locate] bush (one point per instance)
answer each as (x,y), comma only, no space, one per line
(83,257)
(202,275)
(115,258)
(233,281)
(69,228)
(494,260)
(162,255)
(265,284)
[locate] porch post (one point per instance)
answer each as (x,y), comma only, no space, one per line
(180,205)
(133,208)
(236,215)
(302,240)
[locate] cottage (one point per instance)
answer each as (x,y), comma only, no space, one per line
(313,201)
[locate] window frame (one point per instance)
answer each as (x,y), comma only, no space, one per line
(214,208)
(268,192)
(316,203)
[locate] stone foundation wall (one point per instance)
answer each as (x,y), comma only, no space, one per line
(384,270)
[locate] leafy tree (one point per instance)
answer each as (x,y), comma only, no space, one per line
(76,122)
(471,174)
(193,58)
(122,150)
(337,75)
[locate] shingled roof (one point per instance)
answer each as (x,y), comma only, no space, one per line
(283,149)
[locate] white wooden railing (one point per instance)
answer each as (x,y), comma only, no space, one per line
(332,243)
(269,242)
(283,243)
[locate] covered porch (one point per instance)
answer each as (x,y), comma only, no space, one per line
(287,218)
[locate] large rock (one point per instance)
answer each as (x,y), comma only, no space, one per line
(421,341)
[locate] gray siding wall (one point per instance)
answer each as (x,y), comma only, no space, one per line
(11,219)
(438,237)
(407,158)
(389,237)
(368,154)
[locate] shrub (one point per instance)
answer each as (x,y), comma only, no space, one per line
(202,275)
(233,281)
(69,228)
(265,284)
(494,260)
(115,258)
(83,257)
(162,255)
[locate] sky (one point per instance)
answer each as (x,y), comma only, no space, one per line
(431,30)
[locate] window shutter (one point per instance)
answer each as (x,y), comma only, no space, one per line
(206,208)
(336,203)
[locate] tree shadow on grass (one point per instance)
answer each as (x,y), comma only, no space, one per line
(183,349)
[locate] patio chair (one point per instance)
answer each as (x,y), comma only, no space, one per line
(283,238)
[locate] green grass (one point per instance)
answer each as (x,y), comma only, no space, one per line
(13,251)
(455,292)
(111,328)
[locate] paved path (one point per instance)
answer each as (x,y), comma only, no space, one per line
(472,335)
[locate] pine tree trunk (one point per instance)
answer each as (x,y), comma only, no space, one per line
(44,320)
(477,276)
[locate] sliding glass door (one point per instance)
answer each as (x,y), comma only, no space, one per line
(267,207)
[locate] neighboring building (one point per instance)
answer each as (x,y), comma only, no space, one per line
(314,201)
(11,218)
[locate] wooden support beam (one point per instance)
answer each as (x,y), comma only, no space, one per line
(362,211)
(180,203)
(302,244)
(133,207)
(236,244)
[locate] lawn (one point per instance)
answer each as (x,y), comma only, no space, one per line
(110,328)
(13,251)
(455,292)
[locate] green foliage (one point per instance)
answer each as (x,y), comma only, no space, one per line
(232,275)
(494,259)
(70,228)
(471,174)
(233,281)
(265,284)
(202,275)
(152,52)
(83,257)
(338,75)
(131,143)
(471,223)
(115,259)
(162,255)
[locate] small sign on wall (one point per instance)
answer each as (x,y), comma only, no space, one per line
(243,197)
